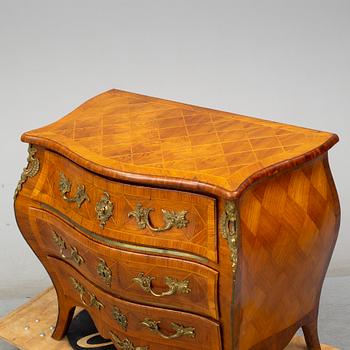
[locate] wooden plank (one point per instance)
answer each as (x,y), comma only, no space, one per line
(28,327)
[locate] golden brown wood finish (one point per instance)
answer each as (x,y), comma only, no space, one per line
(207,334)
(12,330)
(124,266)
(198,237)
(132,137)
(129,149)
(290,222)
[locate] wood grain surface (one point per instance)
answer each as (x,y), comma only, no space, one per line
(256,273)
(44,307)
(198,237)
(207,332)
(137,138)
(289,226)
(125,266)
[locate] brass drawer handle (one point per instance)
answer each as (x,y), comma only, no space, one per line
(65,187)
(171,218)
(180,330)
(104,272)
(175,286)
(104,209)
(125,344)
(94,302)
(61,244)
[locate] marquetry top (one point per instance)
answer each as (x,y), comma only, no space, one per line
(143,139)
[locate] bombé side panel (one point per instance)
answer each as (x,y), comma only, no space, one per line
(288,228)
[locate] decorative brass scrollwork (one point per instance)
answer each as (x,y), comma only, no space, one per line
(180,331)
(78,259)
(171,218)
(229,230)
(79,288)
(61,244)
(94,302)
(104,272)
(125,344)
(175,286)
(104,209)
(65,187)
(121,319)
(30,170)
(59,241)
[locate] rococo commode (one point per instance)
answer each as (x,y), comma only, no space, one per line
(180,227)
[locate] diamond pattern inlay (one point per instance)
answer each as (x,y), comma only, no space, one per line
(140,134)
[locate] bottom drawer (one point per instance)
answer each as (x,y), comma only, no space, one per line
(148,328)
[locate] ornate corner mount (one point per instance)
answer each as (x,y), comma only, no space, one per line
(30,170)
(229,229)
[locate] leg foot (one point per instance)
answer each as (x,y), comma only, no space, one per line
(65,315)
(311,335)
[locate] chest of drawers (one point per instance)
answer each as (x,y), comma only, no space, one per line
(180,227)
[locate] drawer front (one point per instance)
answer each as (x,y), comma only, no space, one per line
(120,320)
(177,221)
(155,280)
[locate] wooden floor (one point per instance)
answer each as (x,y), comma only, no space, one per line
(30,326)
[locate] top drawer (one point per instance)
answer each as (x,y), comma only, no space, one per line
(182,223)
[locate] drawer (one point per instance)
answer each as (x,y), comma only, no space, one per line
(119,320)
(181,223)
(155,280)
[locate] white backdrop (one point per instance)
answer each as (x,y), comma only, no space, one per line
(282,60)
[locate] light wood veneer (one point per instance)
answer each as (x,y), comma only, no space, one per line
(242,221)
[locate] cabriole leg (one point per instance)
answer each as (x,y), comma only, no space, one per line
(311,335)
(65,316)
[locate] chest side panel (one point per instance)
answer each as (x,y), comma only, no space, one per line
(289,226)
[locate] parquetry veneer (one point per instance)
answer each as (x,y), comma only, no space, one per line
(181,227)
